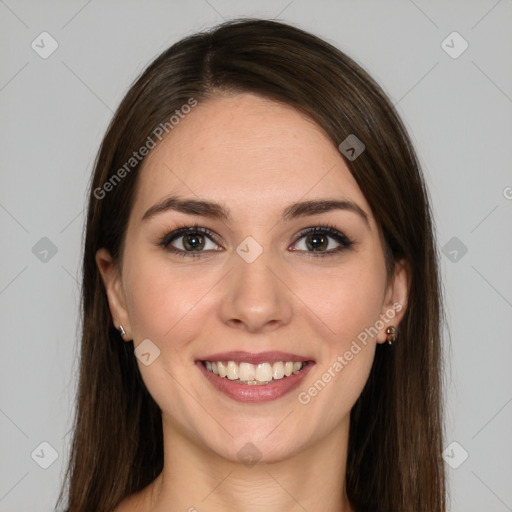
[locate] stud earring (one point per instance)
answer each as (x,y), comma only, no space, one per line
(121,330)
(391,334)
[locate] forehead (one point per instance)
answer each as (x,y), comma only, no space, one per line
(248,152)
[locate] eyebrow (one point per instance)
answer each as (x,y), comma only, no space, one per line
(220,212)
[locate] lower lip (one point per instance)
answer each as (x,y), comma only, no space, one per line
(255,393)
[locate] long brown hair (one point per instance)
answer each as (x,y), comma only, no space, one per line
(394,456)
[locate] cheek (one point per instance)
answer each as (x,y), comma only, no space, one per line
(349,303)
(162,297)
(348,299)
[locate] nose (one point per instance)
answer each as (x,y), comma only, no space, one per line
(255,297)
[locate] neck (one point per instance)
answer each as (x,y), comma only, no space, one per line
(195,479)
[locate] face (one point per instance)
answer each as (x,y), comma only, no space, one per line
(265,275)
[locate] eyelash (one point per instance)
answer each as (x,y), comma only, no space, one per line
(327,229)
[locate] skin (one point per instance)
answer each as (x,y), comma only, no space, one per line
(255,156)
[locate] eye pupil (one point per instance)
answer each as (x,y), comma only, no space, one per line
(316,241)
(193,241)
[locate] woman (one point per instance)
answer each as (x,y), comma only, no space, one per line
(261,305)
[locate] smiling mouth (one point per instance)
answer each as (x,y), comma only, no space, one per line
(255,374)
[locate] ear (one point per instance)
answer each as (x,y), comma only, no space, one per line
(115,293)
(396,298)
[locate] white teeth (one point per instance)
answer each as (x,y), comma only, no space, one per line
(278,370)
(223,371)
(232,370)
(264,372)
(248,373)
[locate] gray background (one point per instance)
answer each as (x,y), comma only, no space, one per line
(54,112)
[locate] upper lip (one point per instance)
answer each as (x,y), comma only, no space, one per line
(239,356)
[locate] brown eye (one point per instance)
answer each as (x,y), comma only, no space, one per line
(193,242)
(322,241)
(190,241)
(317,242)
